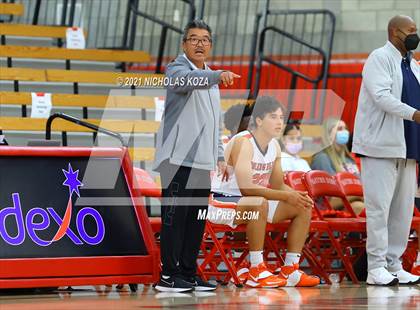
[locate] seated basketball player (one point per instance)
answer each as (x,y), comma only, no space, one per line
(256,184)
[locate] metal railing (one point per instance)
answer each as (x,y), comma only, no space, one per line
(299,40)
(135,12)
(295,73)
(82,123)
(291,52)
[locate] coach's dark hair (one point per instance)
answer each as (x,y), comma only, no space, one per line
(196,23)
(264,105)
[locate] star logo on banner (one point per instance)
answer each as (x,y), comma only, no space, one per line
(72,180)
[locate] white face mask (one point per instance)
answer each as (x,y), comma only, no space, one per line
(293,148)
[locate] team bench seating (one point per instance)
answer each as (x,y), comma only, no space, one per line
(72,76)
(106,55)
(24,30)
(216,249)
(15,9)
(95,101)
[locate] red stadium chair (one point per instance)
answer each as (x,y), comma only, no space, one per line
(218,245)
(410,255)
(312,250)
(320,186)
(350,184)
(149,188)
(216,248)
(294,180)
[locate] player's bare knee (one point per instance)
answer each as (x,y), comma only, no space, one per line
(292,210)
(261,206)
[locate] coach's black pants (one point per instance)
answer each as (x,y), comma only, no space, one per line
(185,191)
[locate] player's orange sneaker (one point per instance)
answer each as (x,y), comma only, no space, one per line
(242,273)
(296,277)
(260,276)
(416,270)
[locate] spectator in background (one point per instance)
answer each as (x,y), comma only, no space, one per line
(292,144)
(236,118)
(337,158)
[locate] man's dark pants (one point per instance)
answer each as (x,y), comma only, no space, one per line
(185,191)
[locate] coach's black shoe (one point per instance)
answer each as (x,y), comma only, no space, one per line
(173,284)
(199,284)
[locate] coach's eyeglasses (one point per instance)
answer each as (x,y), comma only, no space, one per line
(195,41)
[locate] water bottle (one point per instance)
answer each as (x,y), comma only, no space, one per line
(334,278)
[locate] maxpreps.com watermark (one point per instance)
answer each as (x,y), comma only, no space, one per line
(156,81)
(227,215)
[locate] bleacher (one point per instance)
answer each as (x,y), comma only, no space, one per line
(88,91)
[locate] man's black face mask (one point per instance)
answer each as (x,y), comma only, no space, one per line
(411,41)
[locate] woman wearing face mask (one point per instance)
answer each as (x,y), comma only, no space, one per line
(292,145)
(337,158)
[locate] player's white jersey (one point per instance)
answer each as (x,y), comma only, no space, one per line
(262,166)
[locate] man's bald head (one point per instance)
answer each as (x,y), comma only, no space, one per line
(399,22)
(399,27)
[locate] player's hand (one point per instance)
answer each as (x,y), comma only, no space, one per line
(227,77)
(416,117)
(299,199)
(222,170)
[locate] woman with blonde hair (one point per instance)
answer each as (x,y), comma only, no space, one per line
(336,157)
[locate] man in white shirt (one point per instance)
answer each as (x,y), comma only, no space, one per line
(388,105)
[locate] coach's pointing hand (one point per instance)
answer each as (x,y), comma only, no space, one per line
(227,77)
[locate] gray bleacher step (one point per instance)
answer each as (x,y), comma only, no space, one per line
(60,88)
(94,113)
(77,138)
(30,41)
(59,64)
